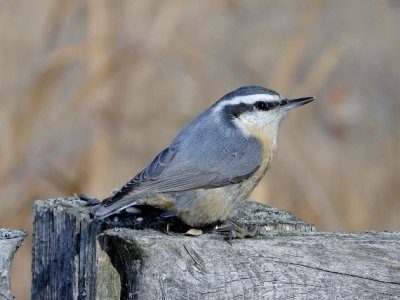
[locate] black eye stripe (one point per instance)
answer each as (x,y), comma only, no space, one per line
(238,109)
(235,110)
(261,105)
(273,104)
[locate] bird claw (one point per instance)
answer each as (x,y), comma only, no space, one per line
(232,230)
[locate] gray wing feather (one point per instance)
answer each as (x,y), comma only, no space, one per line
(206,158)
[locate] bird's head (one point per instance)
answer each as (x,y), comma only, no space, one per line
(256,109)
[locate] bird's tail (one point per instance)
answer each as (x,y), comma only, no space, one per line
(103,210)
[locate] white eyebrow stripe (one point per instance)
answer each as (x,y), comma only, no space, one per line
(249,99)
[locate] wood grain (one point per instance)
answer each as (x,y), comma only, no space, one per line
(10,241)
(301,266)
(124,257)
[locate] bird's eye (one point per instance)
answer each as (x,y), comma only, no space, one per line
(261,105)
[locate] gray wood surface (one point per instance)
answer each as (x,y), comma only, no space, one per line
(63,256)
(10,240)
(76,257)
(283,266)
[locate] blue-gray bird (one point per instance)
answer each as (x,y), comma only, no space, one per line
(214,162)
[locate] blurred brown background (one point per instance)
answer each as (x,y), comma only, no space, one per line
(90,90)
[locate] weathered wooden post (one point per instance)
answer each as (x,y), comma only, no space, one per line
(10,240)
(76,257)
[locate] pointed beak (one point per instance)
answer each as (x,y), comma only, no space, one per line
(292,103)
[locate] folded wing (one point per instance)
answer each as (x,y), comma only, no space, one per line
(177,168)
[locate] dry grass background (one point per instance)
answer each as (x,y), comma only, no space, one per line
(90,90)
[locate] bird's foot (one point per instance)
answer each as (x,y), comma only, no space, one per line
(231,230)
(89,200)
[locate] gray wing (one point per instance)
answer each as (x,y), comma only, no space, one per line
(196,163)
(203,155)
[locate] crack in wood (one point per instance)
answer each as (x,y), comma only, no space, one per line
(336,272)
(198,261)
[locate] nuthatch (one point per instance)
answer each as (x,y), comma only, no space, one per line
(214,162)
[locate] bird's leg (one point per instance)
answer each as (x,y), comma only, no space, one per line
(89,200)
(231,230)
(167,216)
